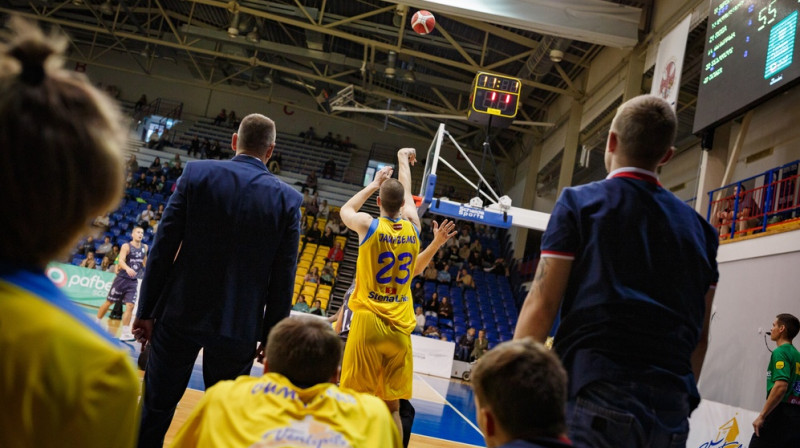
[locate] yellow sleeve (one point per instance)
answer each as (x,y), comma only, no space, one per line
(111,407)
(190,432)
(384,432)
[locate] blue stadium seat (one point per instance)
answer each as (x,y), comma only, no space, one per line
(445,323)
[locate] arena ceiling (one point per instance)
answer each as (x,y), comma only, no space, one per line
(326,45)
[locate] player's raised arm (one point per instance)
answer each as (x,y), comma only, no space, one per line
(441,233)
(405,158)
(359,222)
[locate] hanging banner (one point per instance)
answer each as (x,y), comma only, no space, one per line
(669,63)
(82,285)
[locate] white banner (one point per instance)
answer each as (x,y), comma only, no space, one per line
(717,425)
(669,63)
(432,356)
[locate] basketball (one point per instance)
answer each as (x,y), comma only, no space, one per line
(423,22)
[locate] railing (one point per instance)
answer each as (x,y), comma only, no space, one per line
(163,107)
(756,203)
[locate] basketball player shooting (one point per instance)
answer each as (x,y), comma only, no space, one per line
(377,357)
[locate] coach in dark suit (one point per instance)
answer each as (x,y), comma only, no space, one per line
(220,273)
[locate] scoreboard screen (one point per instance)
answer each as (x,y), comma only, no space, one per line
(496,95)
(751,54)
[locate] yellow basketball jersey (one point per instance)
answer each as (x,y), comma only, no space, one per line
(385,267)
(270,411)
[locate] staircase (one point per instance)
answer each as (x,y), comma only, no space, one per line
(347,268)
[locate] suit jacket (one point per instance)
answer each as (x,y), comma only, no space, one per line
(225,249)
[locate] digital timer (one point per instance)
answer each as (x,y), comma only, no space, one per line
(495,95)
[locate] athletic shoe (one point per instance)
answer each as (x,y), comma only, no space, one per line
(126,335)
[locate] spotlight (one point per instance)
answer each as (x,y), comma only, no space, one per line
(556,55)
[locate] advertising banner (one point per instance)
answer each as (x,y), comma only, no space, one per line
(82,285)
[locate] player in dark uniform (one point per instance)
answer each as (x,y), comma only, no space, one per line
(132,259)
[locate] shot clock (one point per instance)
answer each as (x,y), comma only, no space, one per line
(494,99)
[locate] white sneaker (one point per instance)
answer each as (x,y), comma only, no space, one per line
(126,334)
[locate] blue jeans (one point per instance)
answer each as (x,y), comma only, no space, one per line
(609,414)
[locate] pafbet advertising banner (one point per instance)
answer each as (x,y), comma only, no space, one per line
(82,285)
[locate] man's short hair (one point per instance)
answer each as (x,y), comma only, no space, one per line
(305,350)
(646,127)
(392,195)
(791,323)
(525,386)
(256,134)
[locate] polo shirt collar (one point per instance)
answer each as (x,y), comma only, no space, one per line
(635,173)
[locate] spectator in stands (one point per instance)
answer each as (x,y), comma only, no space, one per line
(220,118)
(141,182)
(275,163)
(194,147)
(163,140)
(164,169)
(324,210)
(333,224)
(89,262)
(145,217)
(749,212)
(140,103)
(155,167)
(158,213)
(464,238)
(336,253)
(312,276)
(105,247)
(724,219)
(420,320)
(418,294)
(105,264)
(153,186)
(216,151)
(520,391)
(432,331)
(205,149)
(86,246)
(445,310)
(101,223)
(328,141)
(316,308)
(481,345)
(326,278)
(463,253)
(114,254)
(309,136)
(440,259)
(311,181)
(313,235)
(430,273)
(347,144)
(329,169)
(476,245)
(488,258)
(311,203)
(466,343)
(465,280)
(499,267)
(176,171)
(452,257)
(232,120)
(175,160)
(327,237)
(132,165)
(443,276)
(301,304)
(153,140)
(432,305)
(338,141)
(343,230)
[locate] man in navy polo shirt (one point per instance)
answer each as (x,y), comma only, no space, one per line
(633,270)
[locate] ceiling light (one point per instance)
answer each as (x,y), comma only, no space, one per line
(252,36)
(233,28)
(556,55)
(106,8)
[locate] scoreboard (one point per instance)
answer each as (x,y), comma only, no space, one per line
(750,54)
(496,97)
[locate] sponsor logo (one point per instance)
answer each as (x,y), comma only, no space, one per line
(390,290)
(779,365)
(470,212)
(378,297)
(307,433)
(726,437)
(797,368)
(57,276)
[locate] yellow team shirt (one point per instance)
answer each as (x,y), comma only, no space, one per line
(270,411)
(385,267)
(63,382)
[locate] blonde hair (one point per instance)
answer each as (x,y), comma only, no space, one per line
(61,140)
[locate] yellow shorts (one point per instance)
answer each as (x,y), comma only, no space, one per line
(377,358)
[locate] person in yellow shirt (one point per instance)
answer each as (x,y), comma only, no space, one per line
(377,358)
(295,403)
(63,380)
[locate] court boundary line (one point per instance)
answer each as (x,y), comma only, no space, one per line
(446,440)
(447,402)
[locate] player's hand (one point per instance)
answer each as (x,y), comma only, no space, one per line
(142,330)
(443,232)
(384,174)
(407,153)
(758,423)
(130,272)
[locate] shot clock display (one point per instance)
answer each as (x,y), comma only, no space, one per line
(496,96)
(751,54)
